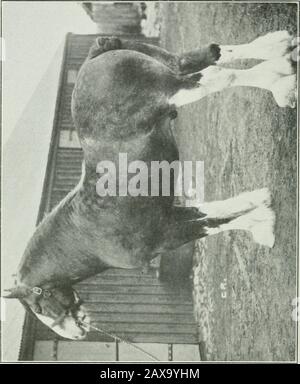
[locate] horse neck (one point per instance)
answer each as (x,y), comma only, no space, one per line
(53,255)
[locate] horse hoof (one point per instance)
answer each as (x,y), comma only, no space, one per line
(285,91)
(273,45)
(285,65)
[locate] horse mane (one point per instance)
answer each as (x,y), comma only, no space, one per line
(43,240)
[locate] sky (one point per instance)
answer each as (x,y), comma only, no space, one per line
(33,32)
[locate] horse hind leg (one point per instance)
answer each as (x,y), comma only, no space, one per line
(279,78)
(183,64)
(268,47)
(277,75)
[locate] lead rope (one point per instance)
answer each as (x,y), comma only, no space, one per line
(120,340)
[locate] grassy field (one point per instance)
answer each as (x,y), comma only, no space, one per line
(243,292)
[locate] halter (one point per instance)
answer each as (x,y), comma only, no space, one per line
(36,289)
(40,291)
(46,294)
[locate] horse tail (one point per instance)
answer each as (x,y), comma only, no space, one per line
(104,44)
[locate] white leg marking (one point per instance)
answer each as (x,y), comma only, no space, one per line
(285,91)
(213,79)
(270,46)
(234,205)
(264,75)
(259,221)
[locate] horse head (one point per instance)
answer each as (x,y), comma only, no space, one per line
(60,308)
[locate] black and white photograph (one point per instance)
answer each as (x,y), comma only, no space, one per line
(149,182)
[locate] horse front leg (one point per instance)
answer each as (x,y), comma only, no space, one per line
(249,211)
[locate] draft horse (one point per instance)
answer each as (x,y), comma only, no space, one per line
(125,97)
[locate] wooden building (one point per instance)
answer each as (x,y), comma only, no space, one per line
(134,305)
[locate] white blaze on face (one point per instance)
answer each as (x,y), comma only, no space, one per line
(68,327)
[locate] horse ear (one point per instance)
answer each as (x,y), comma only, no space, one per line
(95,50)
(16,293)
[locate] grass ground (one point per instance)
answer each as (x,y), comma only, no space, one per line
(243,292)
